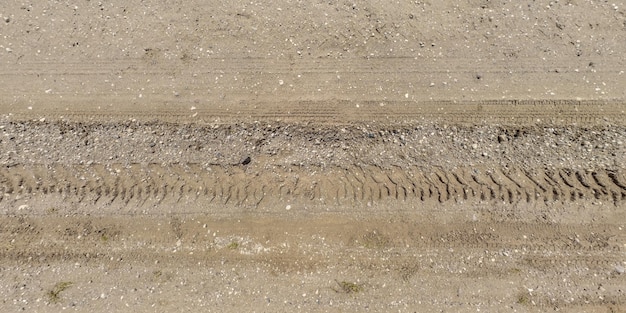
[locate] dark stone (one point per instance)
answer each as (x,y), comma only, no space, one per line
(246,161)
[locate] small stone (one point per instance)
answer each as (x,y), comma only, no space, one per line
(620,269)
(288,207)
(502,138)
(246,161)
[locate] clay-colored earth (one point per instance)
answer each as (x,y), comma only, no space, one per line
(410,156)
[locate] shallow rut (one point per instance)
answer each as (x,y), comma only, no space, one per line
(153,183)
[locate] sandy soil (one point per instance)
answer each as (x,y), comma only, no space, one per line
(419,156)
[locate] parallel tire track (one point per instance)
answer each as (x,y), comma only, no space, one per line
(338,111)
(142,184)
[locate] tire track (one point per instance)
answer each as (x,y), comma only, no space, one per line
(139,184)
(503,111)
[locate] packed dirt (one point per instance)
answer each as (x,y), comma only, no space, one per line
(418,156)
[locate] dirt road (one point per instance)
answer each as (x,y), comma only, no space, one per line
(312,156)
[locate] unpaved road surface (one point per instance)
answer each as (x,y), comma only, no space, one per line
(313,156)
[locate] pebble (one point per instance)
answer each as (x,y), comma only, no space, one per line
(246,161)
(619,269)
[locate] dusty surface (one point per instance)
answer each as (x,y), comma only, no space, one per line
(313,156)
